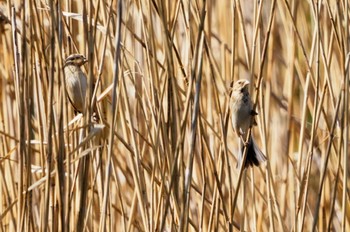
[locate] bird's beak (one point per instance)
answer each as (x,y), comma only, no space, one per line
(245,83)
(85,60)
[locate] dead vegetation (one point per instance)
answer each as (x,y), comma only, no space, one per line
(162,157)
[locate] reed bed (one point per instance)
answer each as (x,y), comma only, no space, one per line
(162,154)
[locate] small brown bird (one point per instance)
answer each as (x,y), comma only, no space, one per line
(242,113)
(76,82)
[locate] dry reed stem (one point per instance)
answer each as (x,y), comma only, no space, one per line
(162,155)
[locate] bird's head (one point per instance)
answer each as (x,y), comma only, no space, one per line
(240,86)
(75,59)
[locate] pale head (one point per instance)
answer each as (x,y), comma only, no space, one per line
(75,59)
(240,86)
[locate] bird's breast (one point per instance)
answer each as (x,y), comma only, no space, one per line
(240,110)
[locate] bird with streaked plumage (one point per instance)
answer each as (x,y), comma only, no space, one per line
(241,116)
(76,82)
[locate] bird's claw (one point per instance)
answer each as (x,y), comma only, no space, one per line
(253,113)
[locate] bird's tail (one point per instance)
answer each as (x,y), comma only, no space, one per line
(254,155)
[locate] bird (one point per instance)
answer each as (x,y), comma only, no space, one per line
(76,81)
(242,116)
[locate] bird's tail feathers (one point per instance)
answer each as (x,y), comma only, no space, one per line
(254,155)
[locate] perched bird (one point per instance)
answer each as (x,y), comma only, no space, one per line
(76,82)
(241,115)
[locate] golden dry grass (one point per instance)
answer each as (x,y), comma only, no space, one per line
(163,155)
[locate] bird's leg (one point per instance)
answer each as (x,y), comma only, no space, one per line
(244,142)
(240,134)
